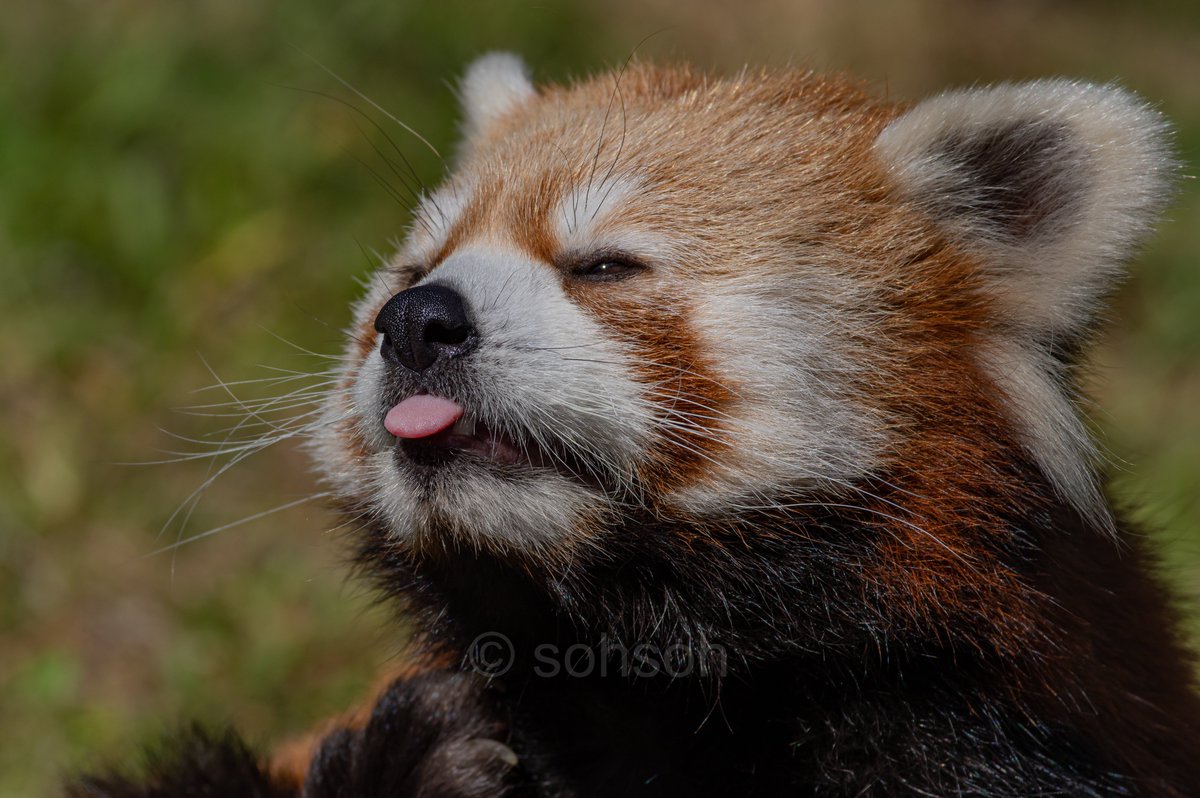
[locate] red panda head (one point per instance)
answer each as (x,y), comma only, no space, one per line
(662,296)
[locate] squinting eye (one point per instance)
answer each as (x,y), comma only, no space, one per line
(607,269)
(406,275)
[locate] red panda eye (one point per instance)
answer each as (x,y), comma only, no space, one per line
(607,269)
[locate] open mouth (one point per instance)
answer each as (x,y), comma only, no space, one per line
(433,430)
(468,437)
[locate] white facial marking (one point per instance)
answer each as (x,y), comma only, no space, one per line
(544,371)
(588,210)
(787,347)
(546,359)
(434,218)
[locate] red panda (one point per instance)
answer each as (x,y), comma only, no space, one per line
(719,435)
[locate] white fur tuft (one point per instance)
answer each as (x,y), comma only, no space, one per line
(493,85)
(1089,167)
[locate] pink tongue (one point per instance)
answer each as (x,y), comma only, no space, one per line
(421,416)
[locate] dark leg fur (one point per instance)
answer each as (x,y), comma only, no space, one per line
(193,765)
(432,736)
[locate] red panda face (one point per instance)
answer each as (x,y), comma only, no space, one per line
(658,294)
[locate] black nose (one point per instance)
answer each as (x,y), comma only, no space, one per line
(423,324)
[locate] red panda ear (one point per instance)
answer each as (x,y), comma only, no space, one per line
(493,85)
(1052,183)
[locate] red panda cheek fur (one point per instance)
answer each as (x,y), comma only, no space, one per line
(691,400)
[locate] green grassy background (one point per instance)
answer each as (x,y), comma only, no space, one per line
(177,189)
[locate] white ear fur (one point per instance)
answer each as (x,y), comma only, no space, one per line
(493,85)
(1053,183)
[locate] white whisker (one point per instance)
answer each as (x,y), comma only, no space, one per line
(215,530)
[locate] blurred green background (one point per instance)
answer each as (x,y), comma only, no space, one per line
(184,183)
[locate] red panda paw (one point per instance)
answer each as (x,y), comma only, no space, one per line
(432,735)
